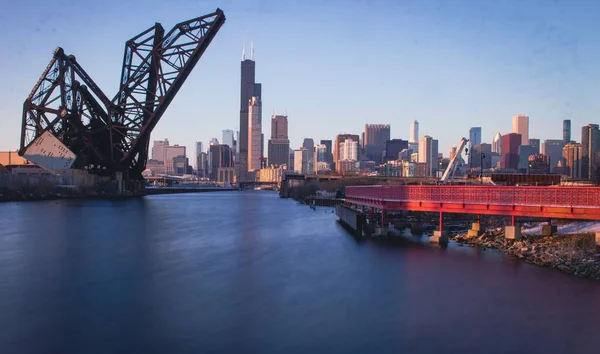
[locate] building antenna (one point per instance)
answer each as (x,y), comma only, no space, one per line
(251,50)
(244,51)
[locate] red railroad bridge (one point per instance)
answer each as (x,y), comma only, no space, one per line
(550,202)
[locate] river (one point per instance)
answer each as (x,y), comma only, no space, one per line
(247,272)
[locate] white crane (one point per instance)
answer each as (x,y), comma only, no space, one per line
(449,173)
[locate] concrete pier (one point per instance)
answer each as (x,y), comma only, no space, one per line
(513,232)
(548,230)
(439,237)
(475,230)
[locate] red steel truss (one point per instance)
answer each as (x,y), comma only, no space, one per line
(544,202)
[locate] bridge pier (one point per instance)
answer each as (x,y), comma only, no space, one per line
(475,229)
(549,230)
(440,235)
(513,232)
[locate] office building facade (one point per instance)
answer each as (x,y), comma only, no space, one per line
(375,138)
(510,151)
(520,125)
(590,158)
(428,154)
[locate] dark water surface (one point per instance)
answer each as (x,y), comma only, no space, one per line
(247,272)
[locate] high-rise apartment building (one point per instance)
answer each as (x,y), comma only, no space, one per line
(302,161)
(202,164)
(221,156)
(566,130)
(414,132)
(228,138)
(510,150)
(279,145)
(428,154)
(199,147)
(321,159)
(520,125)
(376,136)
(158,149)
(254,134)
(336,146)
(572,155)
(553,149)
(328,144)
(248,88)
(349,150)
(497,143)
(590,156)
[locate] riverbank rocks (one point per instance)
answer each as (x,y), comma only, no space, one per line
(574,254)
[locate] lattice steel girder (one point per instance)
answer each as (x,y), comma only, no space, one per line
(107,135)
(151,78)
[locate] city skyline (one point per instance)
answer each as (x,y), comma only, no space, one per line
(554,76)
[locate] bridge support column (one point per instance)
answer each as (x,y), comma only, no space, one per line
(597,239)
(440,235)
(513,232)
(549,230)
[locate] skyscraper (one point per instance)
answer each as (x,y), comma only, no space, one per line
(336,147)
(221,156)
(510,150)
(328,144)
(590,157)
(553,149)
(520,125)
(474,136)
(376,135)
(308,144)
(566,130)
(474,139)
(158,149)
(414,132)
(572,154)
(254,134)
(228,138)
(497,143)
(279,127)
(321,159)
(279,145)
(428,153)
(535,144)
(248,89)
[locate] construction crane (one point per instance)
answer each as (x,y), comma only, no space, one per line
(449,173)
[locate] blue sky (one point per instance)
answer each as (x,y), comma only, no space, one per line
(335,65)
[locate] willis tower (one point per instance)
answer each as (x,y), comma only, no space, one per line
(248,89)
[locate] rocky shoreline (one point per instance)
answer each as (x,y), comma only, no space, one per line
(572,253)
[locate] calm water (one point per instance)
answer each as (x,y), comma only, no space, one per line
(247,272)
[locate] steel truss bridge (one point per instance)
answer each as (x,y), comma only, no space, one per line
(68,117)
(582,203)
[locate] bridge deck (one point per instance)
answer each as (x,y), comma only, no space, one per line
(545,202)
